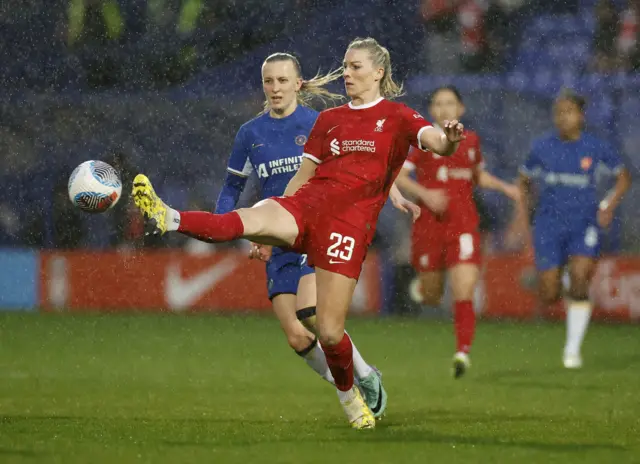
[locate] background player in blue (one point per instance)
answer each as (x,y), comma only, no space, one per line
(569,217)
(271,146)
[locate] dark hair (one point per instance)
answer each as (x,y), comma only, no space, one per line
(574,97)
(451,88)
(314,87)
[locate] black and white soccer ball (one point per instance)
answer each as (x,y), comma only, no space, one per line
(94,186)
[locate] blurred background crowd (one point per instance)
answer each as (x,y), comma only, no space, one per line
(163,85)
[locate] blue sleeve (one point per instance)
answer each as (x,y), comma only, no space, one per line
(610,159)
(533,165)
(239,168)
(230,193)
(239,162)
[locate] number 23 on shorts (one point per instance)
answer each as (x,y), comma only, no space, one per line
(341,249)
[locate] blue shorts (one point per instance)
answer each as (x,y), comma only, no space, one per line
(284,271)
(556,240)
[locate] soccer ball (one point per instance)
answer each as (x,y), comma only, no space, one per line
(94,186)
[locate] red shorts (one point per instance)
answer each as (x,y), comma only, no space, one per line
(329,243)
(437,248)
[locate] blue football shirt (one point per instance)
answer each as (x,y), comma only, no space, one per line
(566,174)
(272,148)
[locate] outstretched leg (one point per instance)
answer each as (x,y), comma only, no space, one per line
(267,222)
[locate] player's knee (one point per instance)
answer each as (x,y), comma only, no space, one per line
(431,294)
(431,298)
(549,296)
(580,280)
(308,317)
(330,335)
(579,289)
(464,292)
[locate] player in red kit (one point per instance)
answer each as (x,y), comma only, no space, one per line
(446,236)
(331,205)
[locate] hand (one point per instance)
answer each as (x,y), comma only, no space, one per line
(261,252)
(436,200)
(454,130)
(517,237)
(513,192)
(407,206)
(605,217)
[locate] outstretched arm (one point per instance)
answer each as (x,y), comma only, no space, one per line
(239,168)
(523,208)
(445,142)
(435,199)
(230,193)
(408,185)
(491,182)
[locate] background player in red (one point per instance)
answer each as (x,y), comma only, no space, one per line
(331,205)
(446,236)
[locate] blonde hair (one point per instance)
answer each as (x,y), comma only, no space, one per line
(380,57)
(311,88)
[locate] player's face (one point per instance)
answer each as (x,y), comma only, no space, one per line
(567,117)
(446,107)
(361,76)
(280,82)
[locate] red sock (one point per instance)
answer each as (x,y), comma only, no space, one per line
(210,227)
(340,361)
(465,323)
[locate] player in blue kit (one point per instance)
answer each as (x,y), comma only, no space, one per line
(569,217)
(271,146)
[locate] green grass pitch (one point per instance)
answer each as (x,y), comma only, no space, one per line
(167,388)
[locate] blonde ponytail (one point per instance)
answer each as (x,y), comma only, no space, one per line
(315,87)
(380,57)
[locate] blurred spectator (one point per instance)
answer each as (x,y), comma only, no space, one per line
(477,31)
(440,13)
(95,27)
(473,38)
(171,25)
(441,47)
(628,36)
(604,58)
(502,21)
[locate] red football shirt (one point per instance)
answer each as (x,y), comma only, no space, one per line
(359,151)
(456,175)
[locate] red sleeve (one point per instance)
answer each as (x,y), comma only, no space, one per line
(313,149)
(414,125)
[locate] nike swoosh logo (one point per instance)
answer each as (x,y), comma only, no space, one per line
(378,405)
(331,261)
(257,145)
(332,128)
(181,293)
